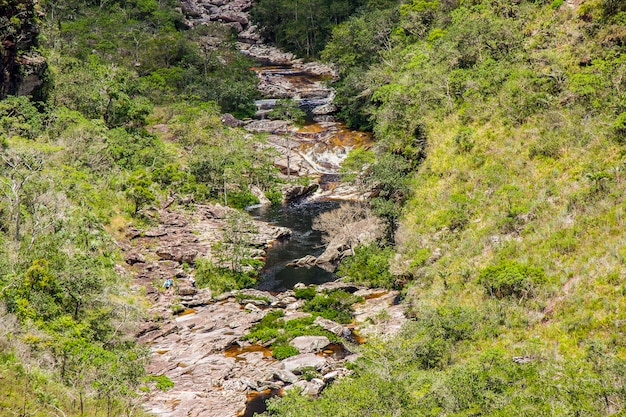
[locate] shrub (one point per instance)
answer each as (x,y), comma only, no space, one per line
(510,278)
(162,382)
(305,293)
(275,196)
(281,352)
(334,305)
(619,127)
(369,266)
(464,139)
(220,279)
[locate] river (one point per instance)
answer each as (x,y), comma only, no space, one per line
(321,146)
(276,276)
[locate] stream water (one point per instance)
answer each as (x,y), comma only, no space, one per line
(323,144)
(276,276)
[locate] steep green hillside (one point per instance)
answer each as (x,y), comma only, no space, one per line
(499,172)
(512,244)
(81,161)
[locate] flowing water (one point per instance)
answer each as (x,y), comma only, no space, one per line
(276,276)
(323,144)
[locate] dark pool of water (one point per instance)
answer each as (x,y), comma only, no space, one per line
(256,402)
(276,276)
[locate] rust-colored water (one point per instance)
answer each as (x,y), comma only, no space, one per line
(186,312)
(335,350)
(236,350)
(256,401)
(375,295)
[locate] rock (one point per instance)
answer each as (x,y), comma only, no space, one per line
(295,305)
(286,376)
(270,126)
(308,344)
(331,376)
(251,307)
(293,192)
(307,261)
(230,16)
(312,387)
(190,8)
(332,326)
(292,315)
(231,121)
(178,254)
(155,233)
(258,193)
(297,363)
(257,303)
(187,290)
(132,258)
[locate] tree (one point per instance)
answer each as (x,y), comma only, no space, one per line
(237,234)
(139,191)
(19,167)
(352,224)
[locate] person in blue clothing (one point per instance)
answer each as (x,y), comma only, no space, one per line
(169,282)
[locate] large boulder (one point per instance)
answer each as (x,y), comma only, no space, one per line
(312,387)
(293,192)
(298,363)
(309,344)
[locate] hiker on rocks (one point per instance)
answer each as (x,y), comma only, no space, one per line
(169,282)
(192,281)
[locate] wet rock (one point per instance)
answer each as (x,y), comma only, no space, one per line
(306,261)
(309,344)
(300,362)
(292,192)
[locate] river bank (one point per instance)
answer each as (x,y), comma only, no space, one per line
(197,341)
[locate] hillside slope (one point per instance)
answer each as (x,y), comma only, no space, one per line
(513,238)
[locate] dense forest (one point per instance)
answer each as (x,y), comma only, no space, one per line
(498,170)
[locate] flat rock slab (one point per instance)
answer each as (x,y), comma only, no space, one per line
(310,344)
(300,362)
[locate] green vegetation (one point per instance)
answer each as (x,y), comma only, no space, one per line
(505,123)
(369,266)
(334,305)
(498,170)
(127,119)
(301,26)
(279,331)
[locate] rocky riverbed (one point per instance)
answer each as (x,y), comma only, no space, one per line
(195,338)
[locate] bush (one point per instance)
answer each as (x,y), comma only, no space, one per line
(510,278)
(305,293)
(619,127)
(334,305)
(220,279)
(281,352)
(369,266)
(162,382)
